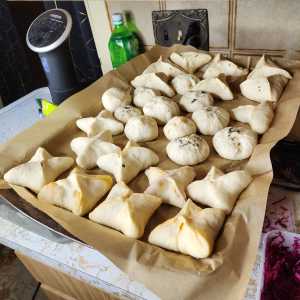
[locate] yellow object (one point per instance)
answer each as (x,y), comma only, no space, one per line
(48,107)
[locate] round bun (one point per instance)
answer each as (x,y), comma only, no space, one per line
(162,109)
(188,150)
(191,101)
(124,113)
(115,97)
(141,129)
(184,83)
(211,119)
(143,95)
(235,143)
(179,127)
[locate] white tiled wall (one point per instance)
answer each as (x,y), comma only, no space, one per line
(268,24)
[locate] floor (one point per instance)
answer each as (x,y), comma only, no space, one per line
(16,282)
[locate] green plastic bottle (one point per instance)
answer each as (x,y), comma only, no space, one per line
(130,23)
(123,44)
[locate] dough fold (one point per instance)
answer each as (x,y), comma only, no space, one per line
(219,190)
(41,169)
(126,164)
(125,210)
(192,231)
(170,185)
(79,192)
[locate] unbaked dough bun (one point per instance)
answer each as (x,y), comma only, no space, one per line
(179,127)
(184,83)
(141,129)
(162,109)
(235,143)
(115,97)
(191,101)
(124,113)
(211,119)
(143,95)
(188,150)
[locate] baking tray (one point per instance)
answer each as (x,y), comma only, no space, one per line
(10,197)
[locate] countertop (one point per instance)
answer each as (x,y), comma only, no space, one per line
(23,234)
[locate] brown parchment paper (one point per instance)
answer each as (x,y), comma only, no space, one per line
(170,275)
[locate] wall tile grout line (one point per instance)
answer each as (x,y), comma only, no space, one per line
(229,24)
(232,27)
(259,52)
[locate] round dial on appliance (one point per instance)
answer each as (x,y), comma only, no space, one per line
(49,30)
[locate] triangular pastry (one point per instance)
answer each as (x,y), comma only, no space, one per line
(262,89)
(79,192)
(40,154)
(266,68)
(190,61)
(161,66)
(192,231)
(219,190)
(126,164)
(170,185)
(266,82)
(126,211)
(222,66)
(94,125)
(41,169)
(259,117)
(155,81)
(89,149)
(215,86)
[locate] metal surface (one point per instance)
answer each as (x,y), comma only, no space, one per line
(187,27)
(10,197)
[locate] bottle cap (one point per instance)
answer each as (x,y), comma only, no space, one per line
(117,19)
